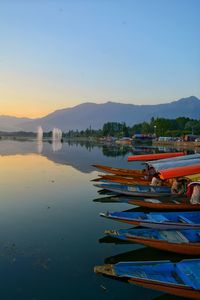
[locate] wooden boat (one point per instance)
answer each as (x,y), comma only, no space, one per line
(136,190)
(166,203)
(121,179)
(130,200)
(159,220)
(154,156)
(179,171)
(185,241)
(121,172)
(181,278)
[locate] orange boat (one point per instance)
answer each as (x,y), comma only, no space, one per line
(179,171)
(165,204)
(122,179)
(121,172)
(154,156)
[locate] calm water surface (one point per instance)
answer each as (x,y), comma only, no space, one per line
(50,229)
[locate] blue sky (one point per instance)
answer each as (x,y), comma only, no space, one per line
(57,54)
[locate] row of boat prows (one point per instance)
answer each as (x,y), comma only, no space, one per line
(175,230)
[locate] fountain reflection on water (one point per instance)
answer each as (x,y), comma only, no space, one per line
(39,139)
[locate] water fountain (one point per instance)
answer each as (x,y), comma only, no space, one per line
(39,133)
(56,134)
(56,139)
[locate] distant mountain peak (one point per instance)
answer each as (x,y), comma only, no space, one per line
(88,114)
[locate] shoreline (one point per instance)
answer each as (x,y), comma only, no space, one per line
(179,145)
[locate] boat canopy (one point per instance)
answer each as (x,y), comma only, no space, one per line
(183,157)
(193,177)
(179,171)
(174,164)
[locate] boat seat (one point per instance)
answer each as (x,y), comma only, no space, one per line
(151,200)
(185,220)
(158,218)
(190,273)
(174,236)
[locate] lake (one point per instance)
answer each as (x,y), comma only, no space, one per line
(51,234)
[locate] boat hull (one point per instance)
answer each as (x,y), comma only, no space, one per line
(122,179)
(165,205)
(181,248)
(136,190)
(121,172)
(154,225)
(167,288)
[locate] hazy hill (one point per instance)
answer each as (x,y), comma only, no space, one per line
(8,123)
(95,115)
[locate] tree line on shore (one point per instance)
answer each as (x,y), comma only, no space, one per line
(158,126)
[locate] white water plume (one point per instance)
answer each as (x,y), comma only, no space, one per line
(56,134)
(39,133)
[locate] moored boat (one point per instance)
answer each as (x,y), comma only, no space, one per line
(136,190)
(159,220)
(154,156)
(121,171)
(185,241)
(181,279)
(122,179)
(169,203)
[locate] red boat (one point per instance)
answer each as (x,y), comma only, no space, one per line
(154,156)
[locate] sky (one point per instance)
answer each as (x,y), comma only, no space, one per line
(57,54)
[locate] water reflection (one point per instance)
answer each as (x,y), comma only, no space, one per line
(168,297)
(39,146)
(111,199)
(144,254)
(113,240)
(79,155)
(56,145)
(49,225)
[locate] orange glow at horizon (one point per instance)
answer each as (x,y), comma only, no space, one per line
(30,109)
(26,112)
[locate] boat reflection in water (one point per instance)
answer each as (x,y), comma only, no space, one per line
(144,254)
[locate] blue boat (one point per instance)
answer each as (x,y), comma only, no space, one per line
(181,279)
(159,220)
(185,241)
(136,190)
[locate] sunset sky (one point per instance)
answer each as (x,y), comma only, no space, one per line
(57,54)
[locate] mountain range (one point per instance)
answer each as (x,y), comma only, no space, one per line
(89,114)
